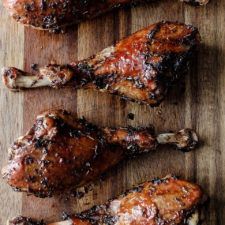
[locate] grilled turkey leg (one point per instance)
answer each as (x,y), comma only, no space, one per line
(139,68)
(62,152)
(53,14)
(168,201)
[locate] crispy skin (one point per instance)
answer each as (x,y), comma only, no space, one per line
(62,152)
(196,2)
(53,14)
(167,201)
(140,68)
(20,220)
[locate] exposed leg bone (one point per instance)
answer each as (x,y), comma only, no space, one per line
(185,139)
(51,76)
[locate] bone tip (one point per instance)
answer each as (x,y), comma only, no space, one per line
(4,172)
(203,2)
(187,139)
(193,219)
(9,76)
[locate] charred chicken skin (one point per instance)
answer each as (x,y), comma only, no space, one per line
(53,14)
(140,68)
(62,152)
(167,201)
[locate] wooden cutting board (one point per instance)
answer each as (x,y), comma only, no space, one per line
(201,105)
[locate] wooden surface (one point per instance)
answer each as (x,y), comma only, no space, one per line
(201,105)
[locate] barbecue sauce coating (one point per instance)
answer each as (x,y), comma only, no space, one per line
(61,152)
(162,201)
(167,201)
(20,220)
(140,68)
(53,14)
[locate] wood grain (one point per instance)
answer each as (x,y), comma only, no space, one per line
(11,109)
(200,105)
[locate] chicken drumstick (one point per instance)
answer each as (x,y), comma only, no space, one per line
(167,201)
(61,152)
(140,68)
(53,14)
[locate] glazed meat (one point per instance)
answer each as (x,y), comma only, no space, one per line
(167,201)
(61,152)
(196,2)
(53,14)
(140,68)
